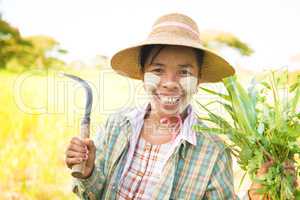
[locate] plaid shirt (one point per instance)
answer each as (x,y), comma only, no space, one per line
(201,171)
(140,179)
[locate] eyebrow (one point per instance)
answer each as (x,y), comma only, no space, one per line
(186,65)
(156,63)
(180,65)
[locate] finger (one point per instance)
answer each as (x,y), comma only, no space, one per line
(295,183)
(265,167)
(290,171)
(289,168)
(77,148)
(73,161)
(74,154)
(289,165)
(77,141)
(89,143)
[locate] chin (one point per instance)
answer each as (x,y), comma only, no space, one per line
(167,109)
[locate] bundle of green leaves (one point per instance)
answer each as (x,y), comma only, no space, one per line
(262,124)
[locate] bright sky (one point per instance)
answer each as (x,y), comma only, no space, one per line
(89,27)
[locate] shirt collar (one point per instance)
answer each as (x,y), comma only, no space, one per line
(187,133)
(136,117)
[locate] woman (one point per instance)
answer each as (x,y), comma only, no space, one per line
(152,153)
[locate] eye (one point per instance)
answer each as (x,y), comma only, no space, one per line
(157,70)
(185,72)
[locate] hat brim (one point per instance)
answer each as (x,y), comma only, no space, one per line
(214,68)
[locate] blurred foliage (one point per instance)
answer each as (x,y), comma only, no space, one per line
(215,39)
(19,53)
(38,115)
(31,160)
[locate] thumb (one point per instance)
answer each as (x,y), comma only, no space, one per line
(265,167)
(89,143)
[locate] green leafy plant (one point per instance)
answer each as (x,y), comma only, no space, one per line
(262,123)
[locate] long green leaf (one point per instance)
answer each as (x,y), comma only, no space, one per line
(216,118)
(242,105)
(296,89)
(224,96)
(277,103)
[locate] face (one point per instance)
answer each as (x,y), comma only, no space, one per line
(171,79)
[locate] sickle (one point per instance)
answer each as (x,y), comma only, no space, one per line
(77,170)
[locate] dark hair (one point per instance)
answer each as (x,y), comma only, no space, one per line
(146,50)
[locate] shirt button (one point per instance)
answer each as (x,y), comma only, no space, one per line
(114,187)
(147,148)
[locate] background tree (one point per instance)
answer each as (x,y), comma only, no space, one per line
(217,39)
(18,53)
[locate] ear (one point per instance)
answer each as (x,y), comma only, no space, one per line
(141,75)
(142,78)
(144,85)
(200,81)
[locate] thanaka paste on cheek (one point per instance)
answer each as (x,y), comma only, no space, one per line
(151,82)
(189,86)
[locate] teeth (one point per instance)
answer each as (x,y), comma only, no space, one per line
(169,99)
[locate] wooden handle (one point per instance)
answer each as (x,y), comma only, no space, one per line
(78,170)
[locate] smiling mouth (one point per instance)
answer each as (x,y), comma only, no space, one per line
(168,100)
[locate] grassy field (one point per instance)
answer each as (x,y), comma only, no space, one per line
(39,113)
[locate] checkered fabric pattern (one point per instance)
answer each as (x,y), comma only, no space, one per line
(144,172)
(198,167)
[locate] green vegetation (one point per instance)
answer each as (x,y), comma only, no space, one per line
(262,123)
(18,53)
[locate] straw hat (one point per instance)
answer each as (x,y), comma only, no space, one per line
(173,29)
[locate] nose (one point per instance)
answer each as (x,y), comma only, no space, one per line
(170,82)
(171,85)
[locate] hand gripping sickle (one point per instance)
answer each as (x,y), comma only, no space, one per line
(77,170)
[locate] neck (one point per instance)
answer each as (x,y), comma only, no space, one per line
(155,116)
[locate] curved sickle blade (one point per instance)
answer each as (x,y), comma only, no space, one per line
(89,97)
(78,169)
